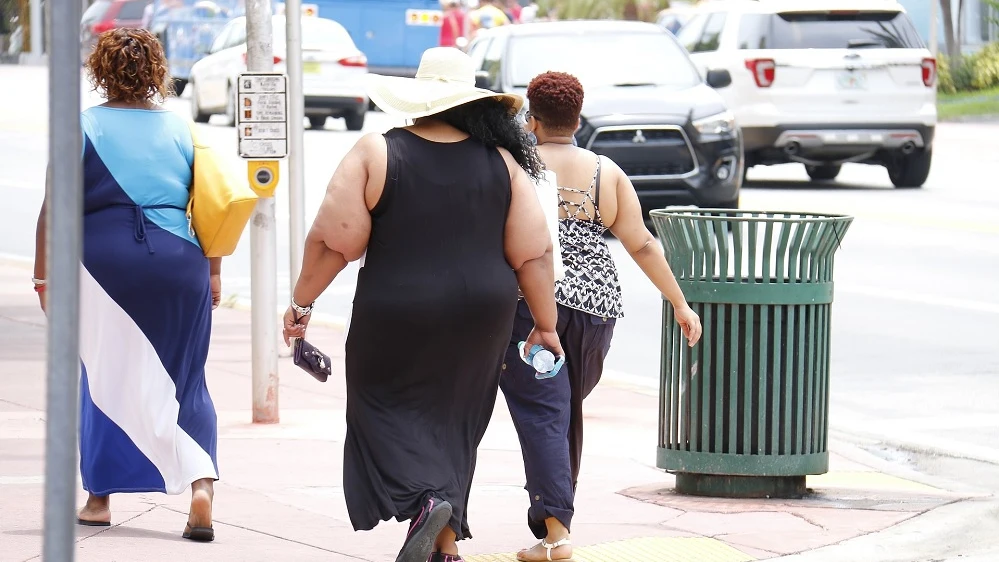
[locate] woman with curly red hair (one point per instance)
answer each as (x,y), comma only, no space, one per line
(595,196)
(147,291)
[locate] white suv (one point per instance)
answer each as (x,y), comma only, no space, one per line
(823,82)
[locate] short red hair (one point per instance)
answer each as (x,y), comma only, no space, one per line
(556,99)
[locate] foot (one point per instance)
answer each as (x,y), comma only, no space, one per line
(199,519)
(96,512)
(544,551)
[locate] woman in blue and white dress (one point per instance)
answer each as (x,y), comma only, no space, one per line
(147,291)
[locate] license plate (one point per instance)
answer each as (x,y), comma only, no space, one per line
(311,67)
(852,80)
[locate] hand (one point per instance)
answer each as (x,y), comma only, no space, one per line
(547,340)
(294,325)
(216,283)
(690,324)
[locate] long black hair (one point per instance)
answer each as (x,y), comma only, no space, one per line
(491,122)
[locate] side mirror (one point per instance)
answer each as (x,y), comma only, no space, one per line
(482,80)
(718,78)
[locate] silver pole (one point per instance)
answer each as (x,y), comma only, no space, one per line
(263,242)
(37,24)
(934,24)
(296,138)
(64,248)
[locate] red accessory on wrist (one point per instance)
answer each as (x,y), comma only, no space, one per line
(39,288)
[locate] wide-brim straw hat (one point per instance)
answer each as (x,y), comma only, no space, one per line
(444,80)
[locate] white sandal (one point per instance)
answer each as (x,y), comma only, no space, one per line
(550,547)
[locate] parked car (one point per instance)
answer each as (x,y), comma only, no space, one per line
(823,83)
(105,15)
(333,72)
(645,107)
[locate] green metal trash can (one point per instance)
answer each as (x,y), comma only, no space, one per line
(745,413)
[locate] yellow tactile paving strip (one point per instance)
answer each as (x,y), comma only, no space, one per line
(656,549)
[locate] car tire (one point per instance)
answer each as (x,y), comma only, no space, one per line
(178,86)
(355,120)
(910,171)
(823,173)
(317,122)
(196,114)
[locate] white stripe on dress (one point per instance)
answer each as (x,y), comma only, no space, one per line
(130,385)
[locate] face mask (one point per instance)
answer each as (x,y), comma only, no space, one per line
(533,138)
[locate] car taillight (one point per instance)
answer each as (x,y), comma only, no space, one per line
(101,27)
(277,59)
(764,71)
(929,72)
(359,60)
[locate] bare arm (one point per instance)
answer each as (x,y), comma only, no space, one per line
(529,252)
(340,233)
(40,230)
(629,227)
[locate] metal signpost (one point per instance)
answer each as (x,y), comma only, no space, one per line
(296,137)
(262,124)
(64,249)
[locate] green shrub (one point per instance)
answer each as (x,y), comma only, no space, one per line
(945,80)
(984,67)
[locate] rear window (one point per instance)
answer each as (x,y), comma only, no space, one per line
(95,12)
(810,30)
(132,10)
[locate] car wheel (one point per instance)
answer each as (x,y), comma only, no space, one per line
(230,107)
(317,122)
(178,86)
(823,173)
(196,114)
(354,121)
(910,170)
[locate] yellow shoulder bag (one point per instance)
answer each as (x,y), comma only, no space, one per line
(220,204)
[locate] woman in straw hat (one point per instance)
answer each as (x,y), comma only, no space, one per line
(447,215)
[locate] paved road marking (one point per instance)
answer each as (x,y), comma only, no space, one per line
(921,298)
(660,549)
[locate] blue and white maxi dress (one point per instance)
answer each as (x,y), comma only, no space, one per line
(147,421)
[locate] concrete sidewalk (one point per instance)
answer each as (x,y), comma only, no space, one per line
(280,496)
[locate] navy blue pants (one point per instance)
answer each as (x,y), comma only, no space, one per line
(548,413)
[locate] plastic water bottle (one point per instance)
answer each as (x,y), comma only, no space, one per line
(542,360)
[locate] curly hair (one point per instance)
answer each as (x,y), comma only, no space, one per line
(556,99)
(491,122)
(129,66)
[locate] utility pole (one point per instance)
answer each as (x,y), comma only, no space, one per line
(296,139)
(263,241)
(934,25)
(64,234)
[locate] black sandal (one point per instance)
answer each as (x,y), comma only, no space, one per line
(199,534)
(424,529)
(88,523)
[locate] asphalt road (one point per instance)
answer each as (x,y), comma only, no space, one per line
(915,356)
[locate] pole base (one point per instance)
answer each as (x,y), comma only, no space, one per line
(721,486)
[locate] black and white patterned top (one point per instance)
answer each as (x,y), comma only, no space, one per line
(591,281)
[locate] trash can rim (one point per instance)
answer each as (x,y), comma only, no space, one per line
(744,215)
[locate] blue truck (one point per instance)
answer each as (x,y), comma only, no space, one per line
(392,33)
(186,29)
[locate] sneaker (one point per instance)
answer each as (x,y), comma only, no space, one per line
(424,529)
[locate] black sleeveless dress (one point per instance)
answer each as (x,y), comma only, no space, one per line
(432,317)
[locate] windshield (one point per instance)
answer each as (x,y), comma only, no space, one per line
(95,12)
(317,33)
(603,59)
(847,30)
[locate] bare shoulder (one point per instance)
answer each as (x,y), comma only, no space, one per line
(372,145)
